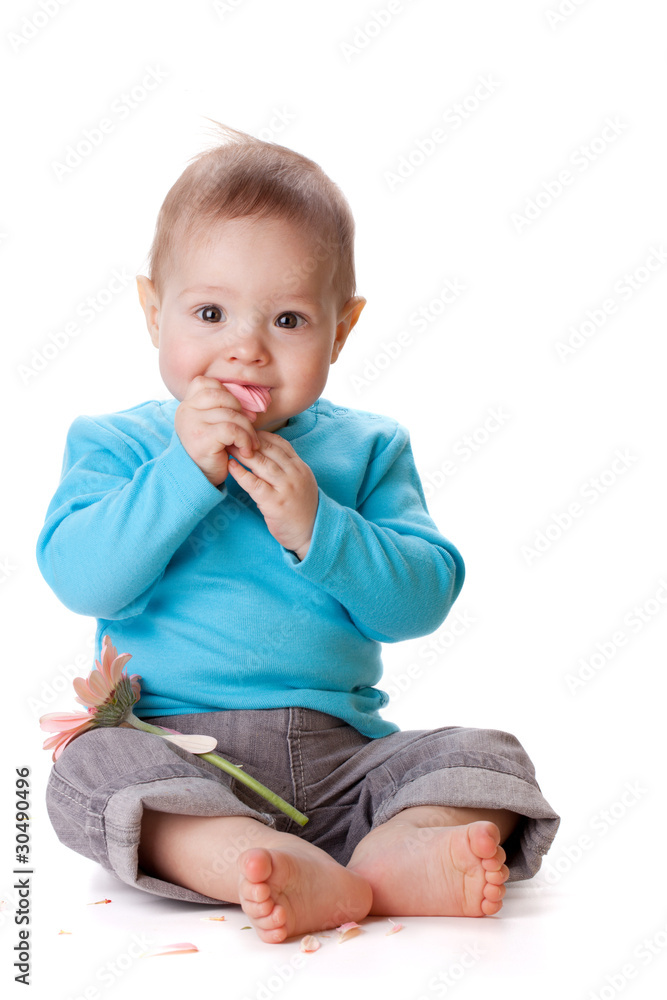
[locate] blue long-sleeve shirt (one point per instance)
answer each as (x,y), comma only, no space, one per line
(186,577)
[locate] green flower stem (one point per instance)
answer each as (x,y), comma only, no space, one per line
(224,765)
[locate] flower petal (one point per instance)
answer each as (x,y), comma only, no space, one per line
(395,928)
(62,740)
(109,654)
(86,694)
(183,948)
(118,666)
(310,943)
(99,685)
(59,722)
(52,741)
(347,931)
(195,744)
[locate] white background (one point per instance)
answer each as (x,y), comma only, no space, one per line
(360,88)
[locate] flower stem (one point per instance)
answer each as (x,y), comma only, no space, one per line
(225,765)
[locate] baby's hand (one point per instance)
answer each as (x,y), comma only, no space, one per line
(283,487)
(210,420)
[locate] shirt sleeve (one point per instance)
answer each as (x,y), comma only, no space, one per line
(385,561)
(116,520)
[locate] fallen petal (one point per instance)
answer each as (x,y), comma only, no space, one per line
(213,918)
(183,948)
(310,943)
(98,901)
(395,928)
(64,932)
(347,931)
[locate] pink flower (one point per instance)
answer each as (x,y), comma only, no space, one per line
(66,727)
(108,693)
(100,687)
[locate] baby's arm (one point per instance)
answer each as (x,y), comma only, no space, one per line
(385,561)
(118,517)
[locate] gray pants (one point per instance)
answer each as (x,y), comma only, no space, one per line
(345,783)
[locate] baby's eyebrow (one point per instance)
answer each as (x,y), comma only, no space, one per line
(218,289)
(199,289)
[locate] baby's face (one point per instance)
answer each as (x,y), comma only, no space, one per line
(253,303)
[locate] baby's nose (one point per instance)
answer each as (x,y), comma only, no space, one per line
(246,344)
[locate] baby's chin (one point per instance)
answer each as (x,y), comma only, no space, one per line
(262,424)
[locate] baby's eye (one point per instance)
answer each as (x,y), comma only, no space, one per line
(209,314)
(290,321)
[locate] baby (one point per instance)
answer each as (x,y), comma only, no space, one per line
(252,545)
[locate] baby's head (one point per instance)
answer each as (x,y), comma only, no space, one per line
(252,274)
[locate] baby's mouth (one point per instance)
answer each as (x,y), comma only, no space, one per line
(255,398)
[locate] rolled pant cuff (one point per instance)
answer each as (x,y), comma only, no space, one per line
(183,796)
(467,788)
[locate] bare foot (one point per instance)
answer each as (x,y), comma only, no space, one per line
(448,871)
(298,890)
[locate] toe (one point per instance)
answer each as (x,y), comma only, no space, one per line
(260,910)
(484,837)
(494,893)
(496,862)
(497,878)
(272,920)
(254,892)
(256,864)
(489,909)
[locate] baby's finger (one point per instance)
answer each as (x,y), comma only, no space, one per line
(246,479)
(262,465)
(228,422)
(278,450)
(203,387)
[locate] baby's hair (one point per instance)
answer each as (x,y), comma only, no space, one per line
(243,176)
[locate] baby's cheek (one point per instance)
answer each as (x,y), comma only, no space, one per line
(179,365)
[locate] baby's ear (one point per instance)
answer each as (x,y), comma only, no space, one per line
(150,305)
(347,318)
